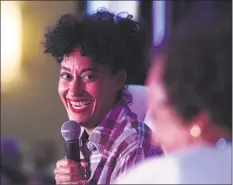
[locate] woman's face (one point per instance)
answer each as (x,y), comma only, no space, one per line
(87,90)
(169,131)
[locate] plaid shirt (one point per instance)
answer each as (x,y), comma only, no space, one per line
(115,145)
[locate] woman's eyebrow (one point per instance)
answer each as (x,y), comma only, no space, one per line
(83,70)
(88,69)
(65,68)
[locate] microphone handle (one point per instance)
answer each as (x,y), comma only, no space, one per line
(72,150)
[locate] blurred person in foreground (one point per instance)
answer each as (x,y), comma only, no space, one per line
(44,154)
(94,52)
(190,94)
(11,162)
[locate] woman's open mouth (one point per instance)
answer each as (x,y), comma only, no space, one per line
(79,106)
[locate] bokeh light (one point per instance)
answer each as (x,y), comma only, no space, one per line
(10,40)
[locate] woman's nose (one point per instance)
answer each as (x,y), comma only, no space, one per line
(76,88)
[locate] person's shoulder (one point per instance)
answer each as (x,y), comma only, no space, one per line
(152,170)
(196,165)
(206,165)
(136,125)
(199,157)
(128,130)
(128,124)
(134,136)
(131,134)
(137,130)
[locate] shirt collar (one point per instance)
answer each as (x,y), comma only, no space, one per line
(105,127)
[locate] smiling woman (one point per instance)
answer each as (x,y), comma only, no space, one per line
(10,40)
(94,52)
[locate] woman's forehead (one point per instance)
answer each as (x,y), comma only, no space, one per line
(77,63)
(75,60)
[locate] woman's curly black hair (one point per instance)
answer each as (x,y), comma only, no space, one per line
(116,41)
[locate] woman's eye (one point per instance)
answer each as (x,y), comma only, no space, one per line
(66,76)
(89,77)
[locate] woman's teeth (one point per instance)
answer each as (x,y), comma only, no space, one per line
(80,104)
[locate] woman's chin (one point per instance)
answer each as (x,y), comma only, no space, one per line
(81,121)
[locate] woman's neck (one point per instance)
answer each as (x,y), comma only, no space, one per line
(213,134)
(89,130)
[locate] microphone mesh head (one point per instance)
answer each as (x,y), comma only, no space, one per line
(70,130)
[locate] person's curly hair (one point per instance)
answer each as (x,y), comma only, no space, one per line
(198,72)
(116,41)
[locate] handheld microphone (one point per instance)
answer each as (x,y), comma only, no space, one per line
(70,131)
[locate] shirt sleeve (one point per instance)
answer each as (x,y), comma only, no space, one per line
(134,155)
(133,149)
(124,164)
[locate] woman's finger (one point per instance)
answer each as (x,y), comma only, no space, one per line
(68,178)
(66,163)
(68,171)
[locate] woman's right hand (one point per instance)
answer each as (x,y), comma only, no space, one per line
(68,171)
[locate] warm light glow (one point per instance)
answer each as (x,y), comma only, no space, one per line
(195,131)
(10,40)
